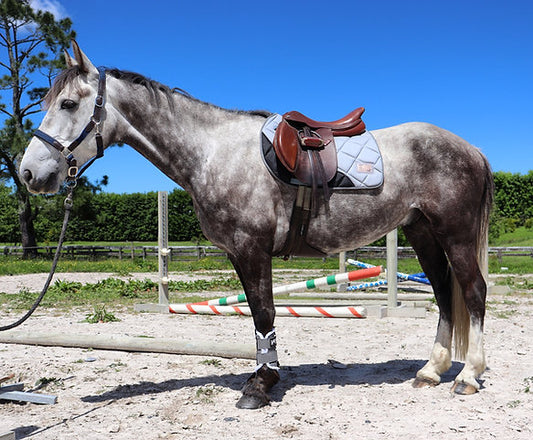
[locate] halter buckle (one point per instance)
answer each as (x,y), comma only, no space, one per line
(72,172)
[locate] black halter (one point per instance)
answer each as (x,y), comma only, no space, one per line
(73,172)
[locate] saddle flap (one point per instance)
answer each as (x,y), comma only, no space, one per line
(287,145)
(318,164)
(292,148)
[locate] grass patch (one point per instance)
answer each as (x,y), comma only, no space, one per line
(67,294)
(43,382)
(221,283)
(517,283)
(522,236)
(504,314)
(514,403)
(213,362)
(514,265)
(100,315)
(18,266)
(207,393)
(528,384)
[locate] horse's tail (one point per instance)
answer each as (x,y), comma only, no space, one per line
(460,315)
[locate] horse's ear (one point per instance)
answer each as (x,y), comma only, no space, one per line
(81,59)
(71,62)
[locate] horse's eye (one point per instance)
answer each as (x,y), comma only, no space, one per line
(68,104)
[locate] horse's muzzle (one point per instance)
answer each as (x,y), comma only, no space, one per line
(47,185)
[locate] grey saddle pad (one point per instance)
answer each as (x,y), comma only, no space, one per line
(360,165)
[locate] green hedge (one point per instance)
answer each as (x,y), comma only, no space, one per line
(513,202)
(102,217)
(513,196)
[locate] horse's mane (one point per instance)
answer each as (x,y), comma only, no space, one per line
(154,88)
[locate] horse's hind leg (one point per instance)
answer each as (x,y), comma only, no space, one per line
(435,264)
(460,295)
(469,335)
(255,273)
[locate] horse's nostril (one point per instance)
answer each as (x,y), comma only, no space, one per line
(27,175)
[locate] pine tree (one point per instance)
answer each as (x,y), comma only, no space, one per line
(31,47)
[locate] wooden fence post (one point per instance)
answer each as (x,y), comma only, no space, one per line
(342,262)
(163,253)
(392,268)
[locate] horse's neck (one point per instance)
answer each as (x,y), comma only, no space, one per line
(182,141)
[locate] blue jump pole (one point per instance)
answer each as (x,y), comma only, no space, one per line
(402,276)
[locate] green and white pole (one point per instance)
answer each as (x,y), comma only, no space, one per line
(330,280)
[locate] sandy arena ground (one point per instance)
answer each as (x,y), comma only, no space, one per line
(122,395)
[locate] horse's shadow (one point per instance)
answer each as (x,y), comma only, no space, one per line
(390,372)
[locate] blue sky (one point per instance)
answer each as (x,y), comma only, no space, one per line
(465,65)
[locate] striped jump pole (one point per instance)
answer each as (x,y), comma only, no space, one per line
(297,311)
(403,276)
(330,280)
(407,277)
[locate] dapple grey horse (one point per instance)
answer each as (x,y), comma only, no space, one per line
(437,187)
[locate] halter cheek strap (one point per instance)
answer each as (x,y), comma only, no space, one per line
(73,172)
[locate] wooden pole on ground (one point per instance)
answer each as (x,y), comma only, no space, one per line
(8,435)
(135,344)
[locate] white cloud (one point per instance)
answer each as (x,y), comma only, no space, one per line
(52,6)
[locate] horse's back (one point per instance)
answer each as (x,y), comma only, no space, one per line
(419,135)
(420,148)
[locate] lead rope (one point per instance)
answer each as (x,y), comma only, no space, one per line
(68,208)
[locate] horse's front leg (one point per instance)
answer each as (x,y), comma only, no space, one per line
(255,273)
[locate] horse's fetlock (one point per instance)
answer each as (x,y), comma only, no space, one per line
(428,374)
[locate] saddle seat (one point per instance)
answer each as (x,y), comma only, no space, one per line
(349,125)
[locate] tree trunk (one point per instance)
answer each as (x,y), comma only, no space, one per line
(27,231)
(26,215)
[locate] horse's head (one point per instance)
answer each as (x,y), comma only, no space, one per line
(69,133)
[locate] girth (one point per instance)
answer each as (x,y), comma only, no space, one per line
(296,242)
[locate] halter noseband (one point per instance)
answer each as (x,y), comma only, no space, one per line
(73,172)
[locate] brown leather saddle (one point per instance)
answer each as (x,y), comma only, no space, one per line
(306,147)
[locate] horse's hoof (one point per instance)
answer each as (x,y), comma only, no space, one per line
(463,389)
(422,382)
(251,402)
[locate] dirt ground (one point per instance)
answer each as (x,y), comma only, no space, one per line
(124,395)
